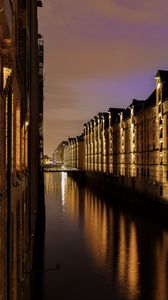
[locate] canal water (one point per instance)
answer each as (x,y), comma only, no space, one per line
(94,249)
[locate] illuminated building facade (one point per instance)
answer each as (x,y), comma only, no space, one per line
(70,153)
(58,155)
(19,150)
(97,143)
(131,143)
(74,153)
(80,152)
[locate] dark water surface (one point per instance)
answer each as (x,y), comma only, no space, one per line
(95,250)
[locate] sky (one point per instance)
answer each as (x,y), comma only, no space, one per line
(98,54)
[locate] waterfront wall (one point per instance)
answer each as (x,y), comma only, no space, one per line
(130,144)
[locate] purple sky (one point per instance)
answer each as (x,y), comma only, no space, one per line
(98,54)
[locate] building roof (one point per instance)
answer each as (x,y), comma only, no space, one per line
(126,113)
(115,114)
(151,100)
(80,137)
(114,110)
(163,74)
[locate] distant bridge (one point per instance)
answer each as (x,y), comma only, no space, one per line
(55,168)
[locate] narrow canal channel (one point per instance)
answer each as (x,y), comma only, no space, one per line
(95,250)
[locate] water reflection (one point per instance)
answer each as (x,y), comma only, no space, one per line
(122,259)
(133,263)
(72,203)
(52,183)
(63,186)
(162,267)
(107,253)
(107,243)
(95,227)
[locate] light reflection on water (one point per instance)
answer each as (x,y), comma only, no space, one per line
(105,252)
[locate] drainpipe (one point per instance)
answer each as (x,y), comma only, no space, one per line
(9,188)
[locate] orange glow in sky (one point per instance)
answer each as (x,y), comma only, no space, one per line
(98,54)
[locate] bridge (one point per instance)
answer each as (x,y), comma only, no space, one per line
(58,168)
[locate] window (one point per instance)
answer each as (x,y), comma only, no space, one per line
(161,133)
(142,172)
(161,147)
(161,191)
(137,172)
(147,173)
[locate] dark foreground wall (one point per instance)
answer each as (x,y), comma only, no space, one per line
(36,275)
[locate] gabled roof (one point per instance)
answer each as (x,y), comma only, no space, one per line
(80,137)
(151,100)
(138,105)
(126,114)
(114,110)
(163,75)
(115,118)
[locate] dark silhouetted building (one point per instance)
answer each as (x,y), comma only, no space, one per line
(20,143)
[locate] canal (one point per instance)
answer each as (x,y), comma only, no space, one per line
(94,249)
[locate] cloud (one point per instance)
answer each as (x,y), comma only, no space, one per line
(59,131)
(64,15)
(101,60)
(94,50)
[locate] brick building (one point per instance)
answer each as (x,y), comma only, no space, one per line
(74,153)
(131,143)
(58,155)
(19,144)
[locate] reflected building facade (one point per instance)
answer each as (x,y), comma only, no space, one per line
(125,254)
(19,149)
(114,240)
